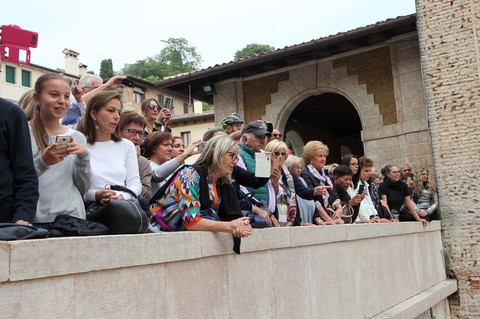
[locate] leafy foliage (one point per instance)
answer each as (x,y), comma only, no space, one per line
(206,106)
(106,69)
(177,57)
(252,50)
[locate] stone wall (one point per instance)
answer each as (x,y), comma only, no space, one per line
(383,83)
(449,33)
(344,271)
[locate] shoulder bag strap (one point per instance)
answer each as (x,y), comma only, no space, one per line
(123,189)
(164,187)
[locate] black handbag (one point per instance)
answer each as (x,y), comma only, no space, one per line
(120,216)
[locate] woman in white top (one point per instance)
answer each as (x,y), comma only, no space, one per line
(113,159)
(367,211)
(61,159)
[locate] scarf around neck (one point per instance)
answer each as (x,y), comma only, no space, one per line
(324,181)
(289,189)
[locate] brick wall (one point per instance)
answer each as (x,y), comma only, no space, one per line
(448,34)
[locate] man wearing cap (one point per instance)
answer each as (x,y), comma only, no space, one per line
(232,125)
(253,140)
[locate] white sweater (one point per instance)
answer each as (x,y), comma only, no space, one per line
(113,163)
(367,208)
(61,185)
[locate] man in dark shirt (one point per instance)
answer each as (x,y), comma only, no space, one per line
(18,179)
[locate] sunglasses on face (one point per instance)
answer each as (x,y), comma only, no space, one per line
(280,153)
(277,135)
(153,107)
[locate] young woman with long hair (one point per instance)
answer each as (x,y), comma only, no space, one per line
(424,194)
(61,159)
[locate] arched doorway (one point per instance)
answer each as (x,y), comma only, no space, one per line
(330,118)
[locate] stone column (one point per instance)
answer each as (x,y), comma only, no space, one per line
(448,35)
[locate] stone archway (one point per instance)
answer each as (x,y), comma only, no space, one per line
(322,83)
(330,118)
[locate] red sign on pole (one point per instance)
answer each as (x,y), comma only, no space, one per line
(15,44)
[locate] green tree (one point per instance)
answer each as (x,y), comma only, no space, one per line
(206,106)
(252,50)
(106,69)
(177,57)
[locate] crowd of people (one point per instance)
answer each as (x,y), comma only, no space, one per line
(77,142)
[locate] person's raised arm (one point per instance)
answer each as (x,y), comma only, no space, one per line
(112,84)
(189,151)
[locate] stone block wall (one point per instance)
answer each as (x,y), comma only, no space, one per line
(384,84)
(343,271)
(448,33)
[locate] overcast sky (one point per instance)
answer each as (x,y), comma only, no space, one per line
(127,31)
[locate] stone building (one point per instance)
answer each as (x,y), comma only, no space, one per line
(390,91)
(17,78)
(359,92)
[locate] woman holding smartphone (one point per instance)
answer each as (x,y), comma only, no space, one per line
(61,159)
(158,118)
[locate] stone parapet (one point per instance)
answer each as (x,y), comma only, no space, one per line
(349,271)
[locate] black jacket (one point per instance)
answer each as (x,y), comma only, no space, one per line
(18,179)
(247,179)
(313,182)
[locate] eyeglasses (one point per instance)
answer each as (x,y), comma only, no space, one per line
(277,135)
(233,156)
(133,132)
(153,106)
(280,153)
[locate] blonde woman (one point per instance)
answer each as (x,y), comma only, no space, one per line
(424,195)
(315,156)
(197,198)
(27,103)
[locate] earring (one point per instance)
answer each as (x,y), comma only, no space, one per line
(96,125)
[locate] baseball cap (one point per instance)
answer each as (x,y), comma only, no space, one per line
(231,119)
(256,128)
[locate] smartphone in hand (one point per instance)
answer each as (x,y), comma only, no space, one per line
(361,189)
(262,165)
(276,162)
(64,139)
